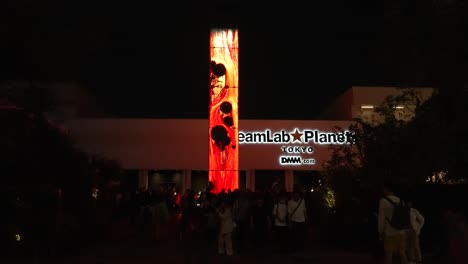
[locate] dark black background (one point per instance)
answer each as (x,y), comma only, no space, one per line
(150,59)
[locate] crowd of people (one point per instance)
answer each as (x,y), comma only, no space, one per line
(230,221)
(267,221)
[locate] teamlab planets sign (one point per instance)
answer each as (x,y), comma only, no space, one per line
(296,147)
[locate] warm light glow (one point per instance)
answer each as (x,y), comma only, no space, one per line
(437,177)
(95,193)
(330,201)
(399,107)
(223,109)
(367,107)
(18,237)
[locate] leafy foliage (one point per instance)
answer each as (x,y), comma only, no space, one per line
(404,150)
(42,170)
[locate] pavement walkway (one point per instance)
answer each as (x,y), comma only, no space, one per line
(137,250)
(125,246)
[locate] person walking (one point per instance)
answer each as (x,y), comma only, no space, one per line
(414,247)
(394,239)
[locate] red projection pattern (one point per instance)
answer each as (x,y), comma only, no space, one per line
(223,110)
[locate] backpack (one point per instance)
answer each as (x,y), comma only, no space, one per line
(401,215)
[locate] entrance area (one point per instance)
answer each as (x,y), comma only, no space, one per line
(265,179)
(166,178)
(197,180)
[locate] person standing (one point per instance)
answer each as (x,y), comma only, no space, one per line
(226,228)
(280,216)
(260,224)
(209,222)
(414,247)
(394,240)
(160,214)
(297,215)
(241,211)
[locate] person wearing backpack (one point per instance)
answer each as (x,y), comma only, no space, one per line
(393,225)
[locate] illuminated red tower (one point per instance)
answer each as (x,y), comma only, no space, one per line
(223,109)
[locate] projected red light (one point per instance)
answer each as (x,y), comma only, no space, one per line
(223,110)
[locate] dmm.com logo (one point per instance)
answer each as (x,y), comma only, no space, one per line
(295,160)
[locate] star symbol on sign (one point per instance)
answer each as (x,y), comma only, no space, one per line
(296,135)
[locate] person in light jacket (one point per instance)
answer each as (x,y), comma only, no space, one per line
(413,246)
(280,216)
(297,216)
(394,240)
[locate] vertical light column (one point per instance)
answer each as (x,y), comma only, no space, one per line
(223,109)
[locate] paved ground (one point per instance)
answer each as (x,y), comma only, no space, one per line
(141,251)
(122,254)
(124,247)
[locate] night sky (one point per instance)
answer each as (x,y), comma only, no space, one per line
(142,60)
